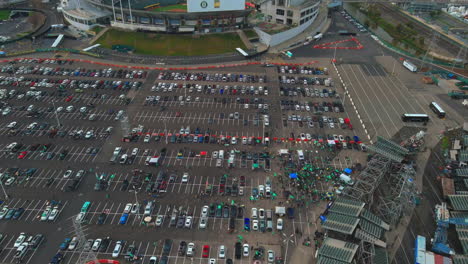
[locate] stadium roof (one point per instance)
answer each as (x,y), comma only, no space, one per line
(460,259)
(463,156)
(340,223)
(465,141)
(463,237)
(347,207)
(459,202)
(337,251)
(366,214)
(381,256)
(462,172)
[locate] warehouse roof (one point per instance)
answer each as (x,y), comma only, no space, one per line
(459,202)
(338,250)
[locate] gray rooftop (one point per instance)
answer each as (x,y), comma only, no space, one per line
(340,223)
(337,250)
(462,172)
(347,207)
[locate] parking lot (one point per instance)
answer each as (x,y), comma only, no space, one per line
(182,139)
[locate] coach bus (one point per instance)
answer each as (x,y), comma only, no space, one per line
(437,109)
(415,118)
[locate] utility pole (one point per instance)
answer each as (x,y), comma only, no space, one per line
(89,257)
(4,191)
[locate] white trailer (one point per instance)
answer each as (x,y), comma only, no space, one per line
(410,66)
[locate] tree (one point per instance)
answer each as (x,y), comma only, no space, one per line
(399,28)
(421,41)
(367,23)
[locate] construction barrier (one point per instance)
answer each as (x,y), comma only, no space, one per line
(329,45)
(104,261)
(164,68)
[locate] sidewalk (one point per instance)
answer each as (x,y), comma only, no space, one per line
(321,18)
(244,39)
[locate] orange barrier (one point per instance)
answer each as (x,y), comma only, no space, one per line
(165,69)
(104,261)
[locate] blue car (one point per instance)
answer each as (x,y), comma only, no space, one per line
(356,139)
(65,243)
(247,224)
(123,219)
(200,139)
(56,259)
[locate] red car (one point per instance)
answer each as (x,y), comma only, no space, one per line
(242,180)
(69,98)
(22,154)
(206,251)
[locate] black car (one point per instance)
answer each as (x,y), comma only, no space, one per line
(18,213)
(56,259)
(37,239)
(102,217)
(240,212)
(233,211)
(181,221)
(124,186)
(104,244)
(238,250)
(167,247)
(182,248)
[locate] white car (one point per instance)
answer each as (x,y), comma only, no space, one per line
(117,249)
(53,214)
(89,134)
(222,252)
(203,222)
(70,108)
(188,222)
(212,261)
(96,244)
(215,154)
(135,209)
(159,220)
(244,141)
(204,212)
(261,213)
(185,177)
(255,224)
(245,250)
(3,212)
(67,174)
(279,224)
(73,243)
(20,240)
(233,141)
(83,109)
(271,256)
(59,109)
(190,249)
(254,212)
(12,124)
(46,213)
(127,208)
(147,138)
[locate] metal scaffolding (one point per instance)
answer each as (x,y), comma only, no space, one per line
(89,257)
(365,253)
(398,194)
(369,179)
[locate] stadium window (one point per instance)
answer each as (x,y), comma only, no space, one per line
(289,21)
(280,12)
(279,21)
(303,13)
(290,13)
(280,2)
(301,22)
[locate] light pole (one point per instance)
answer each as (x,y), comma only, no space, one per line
(56,115)
(4,191)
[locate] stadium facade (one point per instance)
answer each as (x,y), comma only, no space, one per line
(171,16)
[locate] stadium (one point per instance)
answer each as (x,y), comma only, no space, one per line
(171,16)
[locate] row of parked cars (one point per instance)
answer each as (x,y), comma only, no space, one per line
(79,85)
(309,92)
(354,22)
(25,242)
(211,88)
(324,106)
(302,70)
(216,77)
(305,80)
(62,71)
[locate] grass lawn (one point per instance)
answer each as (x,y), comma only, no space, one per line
(250,33)
(172,45)
(4,14)
(97,29)
(178,8)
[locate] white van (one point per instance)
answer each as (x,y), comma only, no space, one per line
(221,154)
(300,154)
